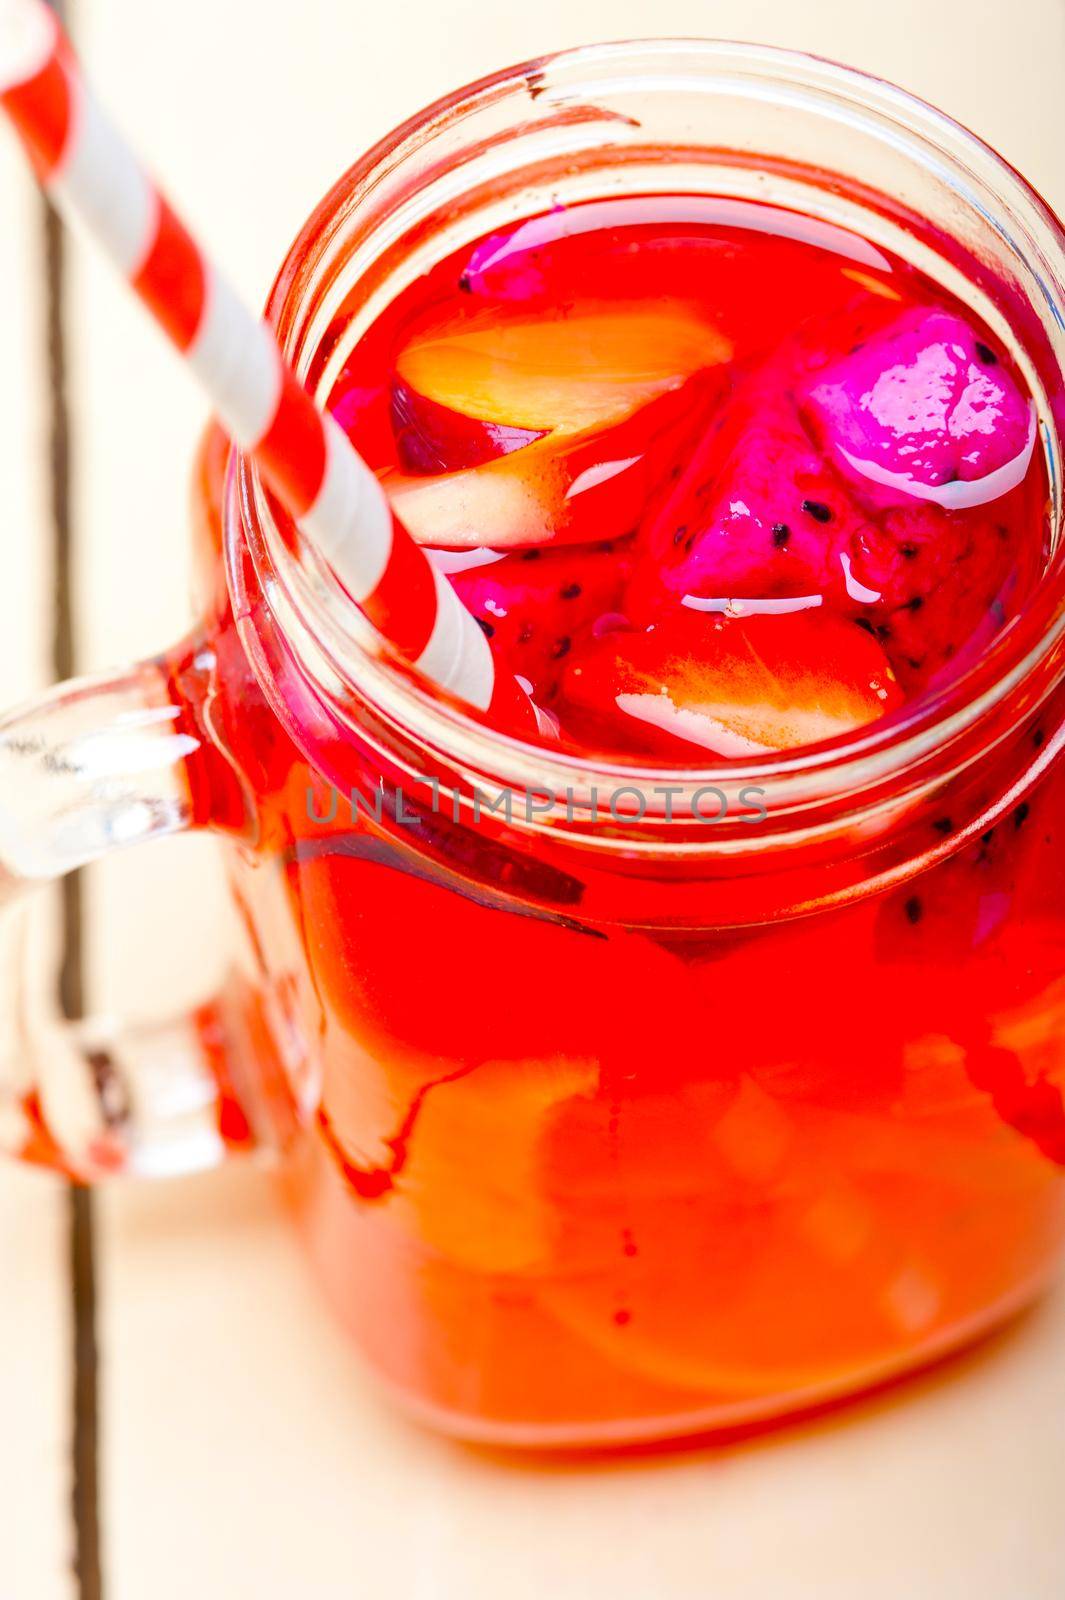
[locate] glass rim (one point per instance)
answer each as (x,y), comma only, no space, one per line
(309,604)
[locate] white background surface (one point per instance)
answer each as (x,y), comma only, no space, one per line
(243,1453)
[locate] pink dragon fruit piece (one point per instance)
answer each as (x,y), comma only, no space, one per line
(940,582)
(757,514)
(759,518)
(534,605)
(925,410)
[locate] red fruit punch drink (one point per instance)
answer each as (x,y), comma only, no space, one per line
(703,1059)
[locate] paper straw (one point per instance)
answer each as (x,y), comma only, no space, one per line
(96,181)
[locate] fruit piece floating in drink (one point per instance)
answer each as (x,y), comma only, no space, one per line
(715,480)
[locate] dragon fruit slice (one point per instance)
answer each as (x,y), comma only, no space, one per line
(940,581)
(535,605)
(925,410)
(761,520)
(757,514)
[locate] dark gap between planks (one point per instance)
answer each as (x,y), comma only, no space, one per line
(84,1461)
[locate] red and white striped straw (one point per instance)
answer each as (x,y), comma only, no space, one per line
(96,181)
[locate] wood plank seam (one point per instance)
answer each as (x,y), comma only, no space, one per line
(84,1457)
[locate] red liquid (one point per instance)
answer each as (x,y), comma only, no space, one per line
(599,1153)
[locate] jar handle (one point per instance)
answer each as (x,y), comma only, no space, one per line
(94,766)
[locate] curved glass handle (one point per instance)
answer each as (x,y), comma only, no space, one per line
(94,766)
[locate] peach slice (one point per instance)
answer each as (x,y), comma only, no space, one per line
(432,438)
(734,686)
(471,1189)
(579,488)
(569,375)
(816,1248)
(544,429)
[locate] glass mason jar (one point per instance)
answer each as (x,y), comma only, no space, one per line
(606,1114)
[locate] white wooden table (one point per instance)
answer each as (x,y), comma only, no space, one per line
(240,1451)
